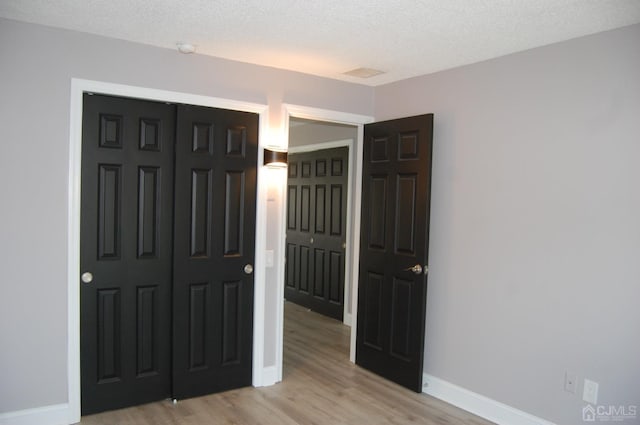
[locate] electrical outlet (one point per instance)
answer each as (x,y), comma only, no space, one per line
(570,382)
(590,393)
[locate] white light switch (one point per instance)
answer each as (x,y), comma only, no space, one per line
(268,258)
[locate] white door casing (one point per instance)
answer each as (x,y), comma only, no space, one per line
(78,88)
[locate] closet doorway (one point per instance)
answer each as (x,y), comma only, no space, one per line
(167,238)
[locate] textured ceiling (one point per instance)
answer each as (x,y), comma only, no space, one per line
(404,38)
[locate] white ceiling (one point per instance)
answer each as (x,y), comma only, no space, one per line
(404,38)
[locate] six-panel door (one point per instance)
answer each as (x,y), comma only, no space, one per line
(316,228)
(216,156)
(126,245)
(394,241)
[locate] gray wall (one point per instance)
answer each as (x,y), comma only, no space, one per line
(36,67)
(306,132)
(535,240)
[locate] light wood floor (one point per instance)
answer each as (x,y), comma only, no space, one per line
(320,386)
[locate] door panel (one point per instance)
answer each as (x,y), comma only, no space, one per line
(148,211)
(395,234)
(372,320)
(405,214)
(316,217)
(233,212)
(126,224)
(216,156)
(147,317)
(335,269)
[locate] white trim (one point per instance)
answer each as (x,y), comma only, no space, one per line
(319,114)
(477,404)
(281,246)
(73,252)
(260,261)
(146,93)
(56,414)
(355,247)
(80,86)
(350,262)
(353,244)
(270,375)
(280,269)
(322,145)
(347,319)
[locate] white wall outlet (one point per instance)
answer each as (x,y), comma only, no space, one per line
(570,382)
(590,393)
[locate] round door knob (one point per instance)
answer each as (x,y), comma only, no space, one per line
(86,277)
(417,269)
(248,269)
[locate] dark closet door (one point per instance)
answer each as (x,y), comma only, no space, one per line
(216,156)
(125,251)
(394,242)
(316,220)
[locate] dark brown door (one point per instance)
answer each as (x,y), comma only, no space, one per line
(394,242)
(216,156)
(126,245)
(316,219)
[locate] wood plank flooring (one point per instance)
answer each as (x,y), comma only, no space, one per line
(320,386)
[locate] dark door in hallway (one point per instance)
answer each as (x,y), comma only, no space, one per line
(167,308)
(316,221)
(394,242)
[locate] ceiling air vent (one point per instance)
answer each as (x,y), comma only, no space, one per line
(364,72)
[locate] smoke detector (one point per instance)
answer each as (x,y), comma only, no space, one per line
(186,48)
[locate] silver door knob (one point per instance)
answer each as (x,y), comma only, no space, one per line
(417,269)
(86,277)
(248,269)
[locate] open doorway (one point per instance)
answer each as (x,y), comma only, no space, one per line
(319,220)
(402,147)
(317,216)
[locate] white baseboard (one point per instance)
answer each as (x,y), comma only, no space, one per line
(347,319)
(477,404)
(269,376)
(57,414)
(60,414)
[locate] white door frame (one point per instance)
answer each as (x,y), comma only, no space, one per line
(353,247)
(78,88)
